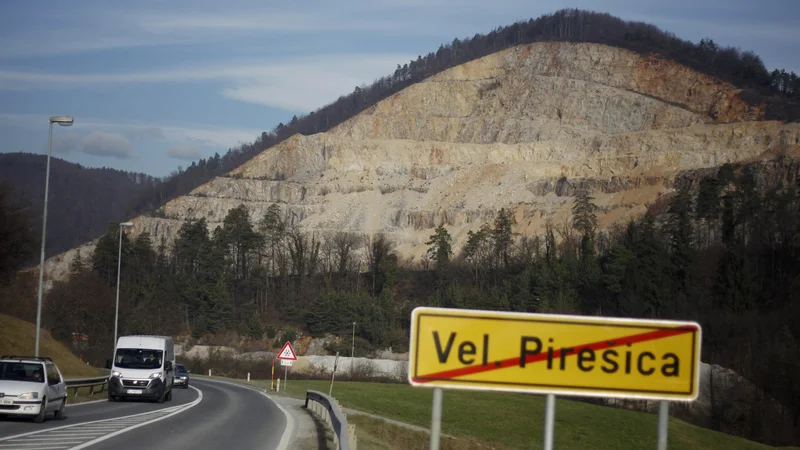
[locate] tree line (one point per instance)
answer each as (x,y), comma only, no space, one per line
(82,199)
(744,69)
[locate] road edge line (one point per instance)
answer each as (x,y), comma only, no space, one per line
(158,419)
(290,425)
(69,405)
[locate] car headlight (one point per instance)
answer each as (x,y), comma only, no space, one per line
(28,396)
(155,375)
(116,374)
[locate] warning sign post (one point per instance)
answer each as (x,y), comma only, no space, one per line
(286,356)
(554,355)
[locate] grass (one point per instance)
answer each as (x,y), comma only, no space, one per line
(375,434)
(515,421)
(18,337)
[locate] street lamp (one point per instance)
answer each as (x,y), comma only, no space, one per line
(64,121)
(119,267)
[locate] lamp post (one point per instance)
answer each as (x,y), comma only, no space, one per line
(64,121)
(119,267)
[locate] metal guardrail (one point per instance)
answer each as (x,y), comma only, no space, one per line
(329,410)
(91,383)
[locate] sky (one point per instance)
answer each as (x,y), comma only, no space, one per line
(157,84)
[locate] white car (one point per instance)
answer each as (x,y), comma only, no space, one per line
(31,386)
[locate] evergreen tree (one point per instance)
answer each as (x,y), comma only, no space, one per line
(440,247)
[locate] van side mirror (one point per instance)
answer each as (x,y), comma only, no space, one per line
(168,366)
(108,364)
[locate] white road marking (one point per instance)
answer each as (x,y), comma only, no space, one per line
(89,433)
(124,430)
(84,403)
(287,433)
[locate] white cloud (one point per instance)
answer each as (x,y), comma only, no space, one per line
(181,152)
(299,84)
(145,133)
(265,22)
(101,143)
(103,28)
(211,137)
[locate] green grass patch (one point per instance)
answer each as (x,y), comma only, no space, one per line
(18,337)
(516,421)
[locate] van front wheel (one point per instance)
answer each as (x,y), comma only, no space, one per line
(169,396)
(161,397)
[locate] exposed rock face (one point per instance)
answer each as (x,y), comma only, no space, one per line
(521,129)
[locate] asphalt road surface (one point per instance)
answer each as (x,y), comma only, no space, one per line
(208,415)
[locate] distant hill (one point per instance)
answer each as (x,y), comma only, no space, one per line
(82,200)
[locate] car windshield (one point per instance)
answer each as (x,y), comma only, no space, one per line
(138,358)
(15,371)
(180,368)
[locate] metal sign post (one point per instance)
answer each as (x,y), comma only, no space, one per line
(663,419)
(436,419)
(549,421)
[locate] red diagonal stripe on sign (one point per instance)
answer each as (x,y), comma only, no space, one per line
(599,345)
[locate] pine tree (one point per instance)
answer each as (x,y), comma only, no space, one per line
(440,247)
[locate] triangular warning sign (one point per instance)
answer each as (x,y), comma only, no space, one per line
(287,352)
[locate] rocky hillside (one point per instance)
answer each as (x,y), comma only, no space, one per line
(520,129)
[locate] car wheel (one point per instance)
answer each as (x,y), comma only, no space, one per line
(60,415)
(161,397)
(186,386)
(169,396)
(40,417)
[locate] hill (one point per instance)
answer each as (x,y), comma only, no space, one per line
(520,129)
(742,69)
(82,200)
(18,338)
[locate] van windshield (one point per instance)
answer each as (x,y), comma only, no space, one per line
(138,358)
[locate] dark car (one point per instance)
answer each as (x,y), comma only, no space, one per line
(181,376)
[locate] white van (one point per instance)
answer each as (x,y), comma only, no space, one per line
(143,367)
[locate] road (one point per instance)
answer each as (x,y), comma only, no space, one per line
(208,415)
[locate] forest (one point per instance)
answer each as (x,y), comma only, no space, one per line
(779,89)
(82,200)
(723,250)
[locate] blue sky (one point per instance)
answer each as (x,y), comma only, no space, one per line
(156,84)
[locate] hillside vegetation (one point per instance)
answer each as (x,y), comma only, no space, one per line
(19,337)
(82,200)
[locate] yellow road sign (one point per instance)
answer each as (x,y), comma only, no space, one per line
(554,354)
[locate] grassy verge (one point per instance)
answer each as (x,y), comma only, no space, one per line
(17,337)
(379,435)
(516,421)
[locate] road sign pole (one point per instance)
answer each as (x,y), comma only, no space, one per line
(549,421)
(272,376)
(436,418)
(285,376)
(663,419)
